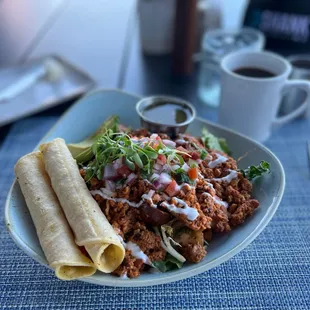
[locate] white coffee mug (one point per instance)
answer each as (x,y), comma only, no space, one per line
(250,104)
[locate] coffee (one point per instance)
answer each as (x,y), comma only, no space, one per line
(254,72)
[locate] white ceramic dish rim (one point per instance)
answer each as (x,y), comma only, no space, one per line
(180,274)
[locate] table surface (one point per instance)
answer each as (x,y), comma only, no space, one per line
(272,273)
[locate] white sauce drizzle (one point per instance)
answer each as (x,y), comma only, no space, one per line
(135,251)
(191,213)
(220,159)
(144,197)
(210,185)
(148,197)
(217,200)
(122,241)
(124,276)
(233,174)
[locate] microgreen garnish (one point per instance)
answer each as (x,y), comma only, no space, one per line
(110,146)
(256,171)
(145,175)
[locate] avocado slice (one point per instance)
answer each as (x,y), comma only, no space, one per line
(81,151)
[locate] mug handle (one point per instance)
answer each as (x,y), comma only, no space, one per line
(304,85)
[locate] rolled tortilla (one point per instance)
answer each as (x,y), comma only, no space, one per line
(54,233)
(90,226)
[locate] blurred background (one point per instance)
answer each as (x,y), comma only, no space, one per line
(145,47)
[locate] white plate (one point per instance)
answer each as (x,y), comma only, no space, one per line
(84,118)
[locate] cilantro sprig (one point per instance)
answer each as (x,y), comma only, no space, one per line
(181,176)
(253,172)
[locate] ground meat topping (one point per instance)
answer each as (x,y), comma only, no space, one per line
(244,211)
(220,205)
(149,243)
(131,267)
(194,253)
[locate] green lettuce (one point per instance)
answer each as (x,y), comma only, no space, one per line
(212,142)
(169,263)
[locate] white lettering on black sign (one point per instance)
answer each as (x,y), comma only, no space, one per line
(292,26)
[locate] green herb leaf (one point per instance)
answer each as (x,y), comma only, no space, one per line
(137,160)
(150,152)
(203,154)
(212,142)
(99,174)
(130,164)
(253,172)
(89,173)
(182,177)
(169,263)
(144,174)
(178,171)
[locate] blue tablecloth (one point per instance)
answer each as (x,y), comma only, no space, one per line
(272,273)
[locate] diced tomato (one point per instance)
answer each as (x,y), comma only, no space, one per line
(123,171)
(193,173)
(161,159)
(155,145)
(155,141)
(172,189)
(195,155)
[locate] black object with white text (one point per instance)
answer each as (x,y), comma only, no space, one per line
(285,23)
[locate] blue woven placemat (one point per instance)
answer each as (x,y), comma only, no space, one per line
(272,273)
